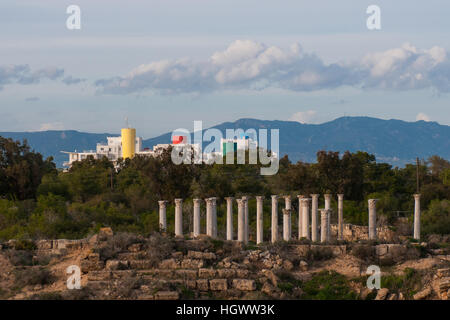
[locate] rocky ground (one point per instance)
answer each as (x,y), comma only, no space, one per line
(125,266)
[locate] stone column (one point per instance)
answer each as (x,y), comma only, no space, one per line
(209,222)
(162,215)
(178,217)
(372,219)
(314,224)
(241,220)
(286,224)
(300,215)
(245,199)
(213,217)
(274,218)
(305,219)
(288,206)
(229,218)
(259,220)
(323,225)
(328,207)
(417,216)
(197,203)
(340,217)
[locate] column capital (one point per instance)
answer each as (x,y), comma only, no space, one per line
(323,211)
(259,198)
(340,196)
(274,197)
(228,199)
(327,196)
(162,203)
(178,202)
(286,211)
(305,202)
(372,203)
(245,198)
(315,196)
(213,199)
(197,201)
(240,202)
(417,196)
(300,196)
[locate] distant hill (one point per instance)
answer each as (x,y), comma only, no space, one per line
(394,141)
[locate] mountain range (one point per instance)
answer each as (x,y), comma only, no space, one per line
(393,141)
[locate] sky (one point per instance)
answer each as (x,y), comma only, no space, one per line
(165,63)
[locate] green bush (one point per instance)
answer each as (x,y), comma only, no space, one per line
(328,285)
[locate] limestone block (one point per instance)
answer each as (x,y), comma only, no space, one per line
(381,250)
(99,275)
(303,265)
(201,255)
(166,295)
(226,273)
(206,273)
(218,284)
(191,263)
(116,265)
(135,247)
(169,264)
(191,284)
(382,294)
(186,274)
(244,284)
(91,265)
(202,285)
(422,294)
(241,273)
(141,264)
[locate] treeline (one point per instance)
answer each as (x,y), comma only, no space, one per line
(39,201)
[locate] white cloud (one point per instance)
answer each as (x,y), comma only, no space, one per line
(304,116)
(422,116)
(247,64)
(51,126)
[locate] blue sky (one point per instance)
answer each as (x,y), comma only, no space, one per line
(164,64)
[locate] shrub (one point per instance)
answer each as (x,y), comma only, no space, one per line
(32,276)
(319,254)
(116,244)
(364,252)
(20,257)
(328,285)
(47,296)
(408,283)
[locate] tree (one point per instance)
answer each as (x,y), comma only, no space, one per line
(21,169)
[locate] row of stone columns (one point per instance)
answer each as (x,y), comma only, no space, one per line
(305,229)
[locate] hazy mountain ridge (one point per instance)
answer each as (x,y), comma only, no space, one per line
(394,141)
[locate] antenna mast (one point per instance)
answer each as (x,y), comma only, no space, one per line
(126,122)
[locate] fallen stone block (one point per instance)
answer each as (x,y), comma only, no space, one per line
(206,273)
(192,263)
(167,295)
(202,285)
(226,273)
(382,294)
(218,284)
(169,264)
(244,284)
(422,294)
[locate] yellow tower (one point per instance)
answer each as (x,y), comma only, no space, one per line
(128,143)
